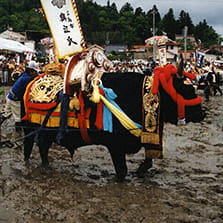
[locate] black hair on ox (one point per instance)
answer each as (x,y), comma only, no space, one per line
(128,87)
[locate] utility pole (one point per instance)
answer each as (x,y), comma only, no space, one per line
(185,43)
(154,33)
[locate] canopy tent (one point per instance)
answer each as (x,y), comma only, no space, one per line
(8,34)
(15,46)
(158,40)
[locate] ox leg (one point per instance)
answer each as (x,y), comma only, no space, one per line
(28,142)
(146,164)
(44,142)
(119,162)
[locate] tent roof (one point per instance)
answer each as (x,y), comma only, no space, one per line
(8,34)
(15,46)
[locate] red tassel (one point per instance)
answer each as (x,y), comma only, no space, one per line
(99,116)
(81,120)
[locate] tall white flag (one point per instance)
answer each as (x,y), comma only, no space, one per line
(62,17)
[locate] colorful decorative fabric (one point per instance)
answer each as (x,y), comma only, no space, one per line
(133,127)
(37,104)
(152,126)
(38,116)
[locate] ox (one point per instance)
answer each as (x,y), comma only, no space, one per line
(119,141)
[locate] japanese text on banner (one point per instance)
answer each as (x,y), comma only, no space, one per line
(63,20)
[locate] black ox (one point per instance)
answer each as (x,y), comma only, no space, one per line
(128,87)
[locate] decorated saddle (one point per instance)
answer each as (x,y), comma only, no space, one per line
(44,94)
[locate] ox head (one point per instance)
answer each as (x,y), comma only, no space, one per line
(82,68)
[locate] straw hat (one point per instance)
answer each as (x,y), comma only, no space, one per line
(55,68)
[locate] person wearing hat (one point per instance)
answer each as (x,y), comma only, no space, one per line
(14,98)
(208,81)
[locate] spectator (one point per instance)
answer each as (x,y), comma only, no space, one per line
(5,70)
(14,99)
(217,83)
(208,80)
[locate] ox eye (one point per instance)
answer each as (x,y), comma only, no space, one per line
(42,87)
(49,89)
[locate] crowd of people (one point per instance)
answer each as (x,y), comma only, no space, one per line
(135,65)
(7,65)
(210,81)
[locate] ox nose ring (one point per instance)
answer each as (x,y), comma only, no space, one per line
(96,82)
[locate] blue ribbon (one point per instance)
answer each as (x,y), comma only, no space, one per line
(107,114)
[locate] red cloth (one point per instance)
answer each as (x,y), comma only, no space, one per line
(164,76)
(82,115)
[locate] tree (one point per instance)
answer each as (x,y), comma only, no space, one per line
(206,34)
(184,20)
(141,24)
(126,8)
(157,20)
(105,24)
(168,24)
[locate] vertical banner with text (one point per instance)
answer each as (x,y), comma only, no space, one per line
(62,17)
(199,58)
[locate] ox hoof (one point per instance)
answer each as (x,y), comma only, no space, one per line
(143,168)
(26,162)
(45,165)
(119,178)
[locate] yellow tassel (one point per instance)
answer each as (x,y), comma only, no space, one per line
(124,119)
(74,104)
(95,97)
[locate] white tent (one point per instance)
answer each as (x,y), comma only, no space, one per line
(9,34)
(11,45)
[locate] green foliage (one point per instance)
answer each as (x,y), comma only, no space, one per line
(206,34)
(168,24)
(105,24)
(185,20)
(190,45)
(21,15)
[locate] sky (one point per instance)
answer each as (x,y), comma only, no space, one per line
(210,10)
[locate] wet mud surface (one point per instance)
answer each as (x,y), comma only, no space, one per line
(185,186)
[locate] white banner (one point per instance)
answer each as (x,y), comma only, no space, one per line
(63,20)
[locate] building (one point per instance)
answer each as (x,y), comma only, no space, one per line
(139,52)
(116,49)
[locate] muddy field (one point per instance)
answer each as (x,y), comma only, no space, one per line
(186,186)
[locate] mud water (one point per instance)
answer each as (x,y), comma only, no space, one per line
(184,187)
